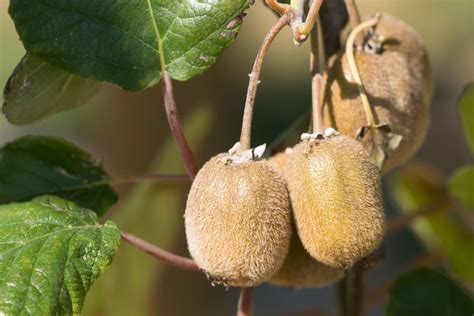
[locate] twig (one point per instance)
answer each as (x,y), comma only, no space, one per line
(148,177)
(355,72)
(280,8)
(357,283)
(305,28)
(253,82)
(317,63)
(160,254)
(245,301)
(404,220)
(175,126)
(382,291)
(354,17)
(353,12)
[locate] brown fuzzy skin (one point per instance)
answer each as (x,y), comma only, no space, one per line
(300,270)
(238,221)
(398,84)
(336,198)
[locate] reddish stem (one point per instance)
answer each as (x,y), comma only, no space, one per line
(175,126)
(245,301)
(149,177)
(160,254)
(246,132)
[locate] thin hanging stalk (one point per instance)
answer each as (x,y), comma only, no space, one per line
(175,126)
(245,135)
(160,254)
(355,72)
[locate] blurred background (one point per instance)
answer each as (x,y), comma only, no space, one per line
(129,133)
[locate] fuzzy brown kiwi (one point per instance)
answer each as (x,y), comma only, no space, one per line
(238,221)
(398,82)
(336,198)
(300,269)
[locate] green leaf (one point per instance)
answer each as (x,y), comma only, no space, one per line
(129,43)
(37,89)
(51,251)
(420,186)
(461,186)
(466,109)
(427,292)
(36,165)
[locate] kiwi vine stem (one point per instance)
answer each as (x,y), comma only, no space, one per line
(160,254)
(280,8)
(147,177)
(355,72)
(402,221)
(245,301)
(354,17)
(317,64)
(381,292)
(245,135)
(175,127)
(308,25)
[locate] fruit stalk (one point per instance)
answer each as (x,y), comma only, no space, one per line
(246,132)
(317,62)
(160,254)
(175,127)
(245,301)
(305,28)
(355,72)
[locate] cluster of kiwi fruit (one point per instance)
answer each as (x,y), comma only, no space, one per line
(303,216)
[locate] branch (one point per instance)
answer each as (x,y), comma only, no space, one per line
(160,254)
(280,8)
(382,291)
(246,132)
(175,126)
(305,28)
(245,301)
(404,220)
(353,12)
(354,17)
(148,177)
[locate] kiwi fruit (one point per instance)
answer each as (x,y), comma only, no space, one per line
(300,270)
(238,221)
(398,82)
(336,198)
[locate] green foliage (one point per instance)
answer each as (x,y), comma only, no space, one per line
(37,165)
(51,251)
(427,292)
(128,43)
(466,110)
(37,89)
(461,186)
(419,187)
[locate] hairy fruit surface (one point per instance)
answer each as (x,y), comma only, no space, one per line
(336,198)
(238,221)
(398,82)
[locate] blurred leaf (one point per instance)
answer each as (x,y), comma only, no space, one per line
(428,292)
(51,251)
(153,212)
(466,109)
(38,165)
(461,186)
(419,186)
(37,89)
(128,43)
